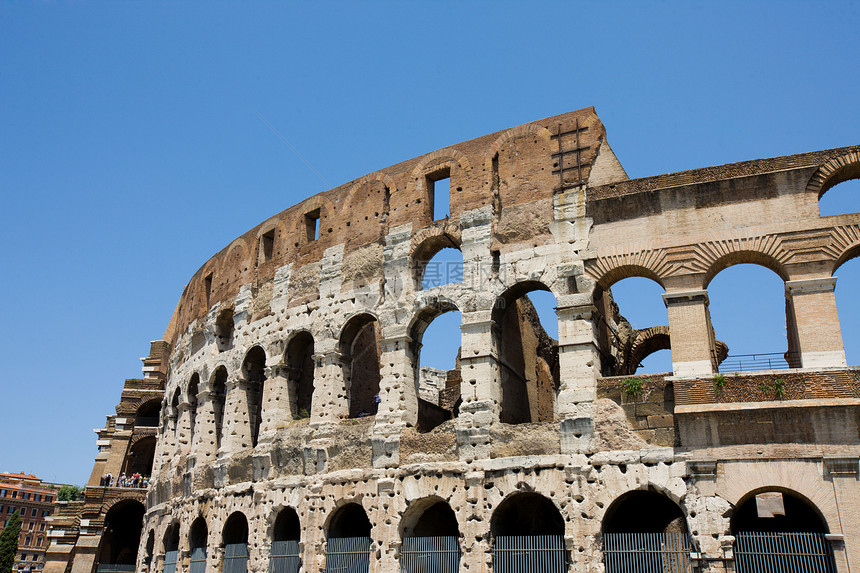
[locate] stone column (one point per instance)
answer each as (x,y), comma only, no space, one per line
(843,473)
(579,365)
(183,428)
(275,411)
(690,332)
(398,394)
(812,305)
(480,389)
(235,427)
(205,445)
(330,405)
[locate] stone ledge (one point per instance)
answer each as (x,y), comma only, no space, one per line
(733,406)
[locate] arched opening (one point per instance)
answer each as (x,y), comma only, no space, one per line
(848,305)
(749,313)
(300,361)
(359,344)
(147,414)
(217,397)
(171,548)
(431,537)
(174,413)
(437,261)
(121,536)
(348,540)
(527,331)
(842,198)
(633,331)
(528,535)
(254,372)
(224,330)
(285,557)
(777,530)
(197,541)
(235,539)
(150,549)
(193,389)
(436,355)
(645,531)
(140,457)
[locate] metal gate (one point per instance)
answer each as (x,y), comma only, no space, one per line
(529,554)
(783,553)
(347,555)
(235,558)
(170,559)
(430,554)
(115,568)
(285,557)
(198,560)
(647,553)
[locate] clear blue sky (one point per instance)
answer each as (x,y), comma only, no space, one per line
(131,149)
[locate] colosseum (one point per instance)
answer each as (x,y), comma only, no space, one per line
(289,425)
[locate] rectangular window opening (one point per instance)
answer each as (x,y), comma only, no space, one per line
(312,225)
(439,191)
(267,246)
(207,282)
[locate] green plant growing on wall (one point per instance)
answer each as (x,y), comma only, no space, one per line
(632,387)
(719,383)
(779,387)
(9,543)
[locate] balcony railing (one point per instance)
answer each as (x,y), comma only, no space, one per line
(767,361)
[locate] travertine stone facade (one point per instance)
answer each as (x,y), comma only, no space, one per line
(294,358)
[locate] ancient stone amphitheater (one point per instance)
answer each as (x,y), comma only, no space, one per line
(296,430)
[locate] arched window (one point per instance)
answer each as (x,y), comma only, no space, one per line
(437,261)
(359,343)
(436,355)
(300,361)
(121,536)
(254,371)
(150,549)
(527,331)
(285,556)
(171,548)
(644,531)
(197,540)
(235,539)
(218,395)
(147,414)
(174,412)
(528,535)
(633,328)
(780,531)
(348,540)
(140,457)
(842,198)
(193,389)
(431,537)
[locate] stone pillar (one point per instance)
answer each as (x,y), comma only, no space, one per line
(329,406)
(398,395)
(690,332)
(579,365)
(205,444)
(235,427)
(183,428)
(843,473)
(275,411)
(481,389)
(812,305)
(475,525)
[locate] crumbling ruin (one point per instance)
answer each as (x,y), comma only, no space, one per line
(297,427)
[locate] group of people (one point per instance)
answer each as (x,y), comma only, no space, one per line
(135,480)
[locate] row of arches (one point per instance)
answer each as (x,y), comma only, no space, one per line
(526,530)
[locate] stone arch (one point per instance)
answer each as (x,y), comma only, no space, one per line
(198,533)
(122,532)
(440,164)
(191,392)
(648,341)
(359,346)
(645,510)
(217,396)
(170,539)
(834,171)
(235,529)
(348,519)
(801,513)
(238,259)
(147,412)
(526,513)
(254,374)
(298,356)
(616,274)
(430,516)
(428,242)
(352,205)
(520,131)
(529,363)
(849,252)
(140,457)
(296,228)
(740,257)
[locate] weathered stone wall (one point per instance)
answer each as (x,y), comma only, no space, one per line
(535,207)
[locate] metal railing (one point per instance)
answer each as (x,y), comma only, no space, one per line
(430,554)
(170,559)
(198,560)
(115,568)
(235,558)
(347,555)
(757,552)
(647,553)
(285,557)
(767,361)
(529,554)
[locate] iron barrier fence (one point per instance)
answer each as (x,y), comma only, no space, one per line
(757,552)
(284,557)
(647,553)
(767,361)
(198,560)
(529,554)
(235,558)
(170,559)
(115,568)
(430,554)
(347,555)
